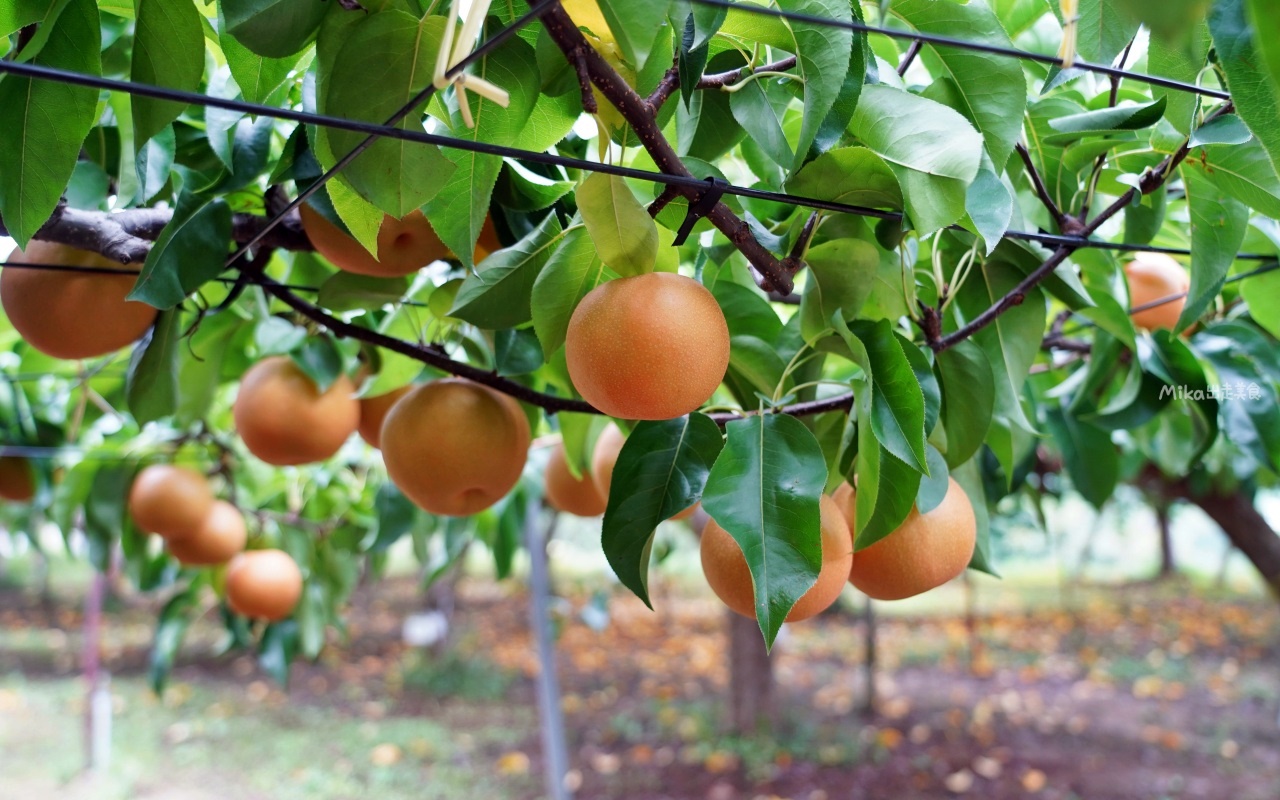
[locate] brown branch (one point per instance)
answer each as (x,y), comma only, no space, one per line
(126,236)
(1042,191)
(910,57)
(636,111)
(663,200)
(666,87)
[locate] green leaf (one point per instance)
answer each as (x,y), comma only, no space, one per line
(168,51)
(171,629)
(385,61)
(319,358)
(1226,129)
(992,88)
(841,276)
(1250,85)
(46,122)
(153,163)
(764,491)
(104,511)
(989,205)
(757,362)
(852,175)
(1104,30)
(1131,117)
(624,234)
(746,311)
(823,54)
(932,201)
(1249,415)
(21,13)
(917,133)
(516,352)
(1181,63)
(200,365)
(1218,226)
(498,294)
(1265,17)
(897,404)
(459,211)
(277,650)
(274,28)
(1091,460)
(759,107)
(1244,172)
(261,79)
(1262,293)
(347,291)
(1012,342)
(661,471)
(635,26)
(396,516)
(969,476)
(569,275)
(887,490)
(190,252)
(934,488)
(152,387)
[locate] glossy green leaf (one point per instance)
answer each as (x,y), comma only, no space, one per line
(573,270)
(274,28)
(917,133)
(1218,226)
(897,406)
(1104,30)
(1262,293)
(201,359)
(1091,460)
(635,26)
(992,88)
(347,291)
(624,234)
(1244,172)
(498,294)
(824,54)
(1250,84)
(852,175)
(385,61)
(661,471)
(152,388)
(764,490)
(1106,120)
(168,51)
(171,630)
(46,123)
(191,251)
(841,276)
(459,211)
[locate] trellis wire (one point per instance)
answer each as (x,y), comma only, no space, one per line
(981,47)
(422,137)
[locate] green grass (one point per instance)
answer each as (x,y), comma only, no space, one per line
(215,741)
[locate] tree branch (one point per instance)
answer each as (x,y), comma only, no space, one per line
(126,236)
(638,113)
(1042,191)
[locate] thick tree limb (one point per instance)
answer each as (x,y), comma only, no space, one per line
(636,111)
(126,236)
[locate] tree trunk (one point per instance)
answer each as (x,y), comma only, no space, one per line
(750,677)
(1248,530)
(1168,566)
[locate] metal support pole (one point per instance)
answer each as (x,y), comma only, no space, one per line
(555,755)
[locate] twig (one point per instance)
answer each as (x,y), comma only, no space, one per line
(1063,221)
(910,57)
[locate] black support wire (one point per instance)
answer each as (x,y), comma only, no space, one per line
(980,47)
(342,123)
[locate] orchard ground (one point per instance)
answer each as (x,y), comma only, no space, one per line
(1101,686)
